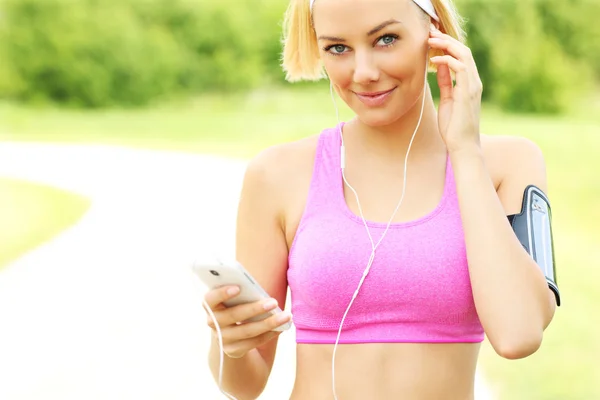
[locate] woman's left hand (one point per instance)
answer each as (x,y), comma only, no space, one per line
(460,104)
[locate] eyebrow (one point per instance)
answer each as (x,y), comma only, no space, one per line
(383,25)
(371,32)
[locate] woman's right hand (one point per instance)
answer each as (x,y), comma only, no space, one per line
(238,338)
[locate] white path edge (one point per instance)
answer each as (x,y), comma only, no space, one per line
(109,309)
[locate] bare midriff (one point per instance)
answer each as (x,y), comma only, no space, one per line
(387,371)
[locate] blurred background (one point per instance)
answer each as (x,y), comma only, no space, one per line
(201,78)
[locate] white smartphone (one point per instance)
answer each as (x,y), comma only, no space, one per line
(234,274)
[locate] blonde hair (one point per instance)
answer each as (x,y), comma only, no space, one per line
(301,58)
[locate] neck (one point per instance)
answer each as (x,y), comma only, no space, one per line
(393,140)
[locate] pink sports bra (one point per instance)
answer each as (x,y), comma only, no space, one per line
(418,289)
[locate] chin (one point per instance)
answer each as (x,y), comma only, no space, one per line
(377,118)
(380,116)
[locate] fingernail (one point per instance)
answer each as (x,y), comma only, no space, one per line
(270,304)
(232,291)
(283,317)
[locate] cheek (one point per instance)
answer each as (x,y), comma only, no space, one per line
(401,64)
(397,68)
(339,70)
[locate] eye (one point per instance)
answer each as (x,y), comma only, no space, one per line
(339,49)
(387,40)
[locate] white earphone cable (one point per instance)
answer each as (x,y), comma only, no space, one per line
(373,245)
(371,258)
(221,351)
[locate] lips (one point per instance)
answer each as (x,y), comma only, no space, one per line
(374,99)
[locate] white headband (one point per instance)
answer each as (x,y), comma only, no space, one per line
(425,5)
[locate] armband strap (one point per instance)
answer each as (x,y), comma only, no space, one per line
(533,227)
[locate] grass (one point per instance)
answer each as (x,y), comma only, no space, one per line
(240,126)
(32,214)
(236,126)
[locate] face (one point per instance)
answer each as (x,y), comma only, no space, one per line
(375,54)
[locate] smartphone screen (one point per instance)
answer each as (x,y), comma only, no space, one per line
(542,236)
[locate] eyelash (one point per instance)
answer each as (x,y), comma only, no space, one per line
(395,37)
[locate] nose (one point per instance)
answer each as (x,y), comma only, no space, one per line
(365,68)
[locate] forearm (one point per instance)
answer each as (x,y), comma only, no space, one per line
(510,292)
(245,378)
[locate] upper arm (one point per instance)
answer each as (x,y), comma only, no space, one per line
(521,163)
(260,242)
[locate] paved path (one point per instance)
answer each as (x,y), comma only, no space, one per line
(110,309)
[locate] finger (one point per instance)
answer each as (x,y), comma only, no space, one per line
(459,51)
(452,46)
(255,329)
(459,68)
(241,348)
(216,297)
(445,82)
(243,312)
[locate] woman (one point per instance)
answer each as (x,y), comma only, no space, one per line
(341,211)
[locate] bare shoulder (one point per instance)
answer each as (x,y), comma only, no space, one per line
(516,162)
(279,168)
(284,157)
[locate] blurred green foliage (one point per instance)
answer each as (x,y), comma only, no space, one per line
(533,56)
(101,53)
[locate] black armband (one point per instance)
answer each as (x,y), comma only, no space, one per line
(533,227)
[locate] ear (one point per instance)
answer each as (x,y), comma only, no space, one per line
(434,25)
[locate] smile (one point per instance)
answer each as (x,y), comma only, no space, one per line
(374,99)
